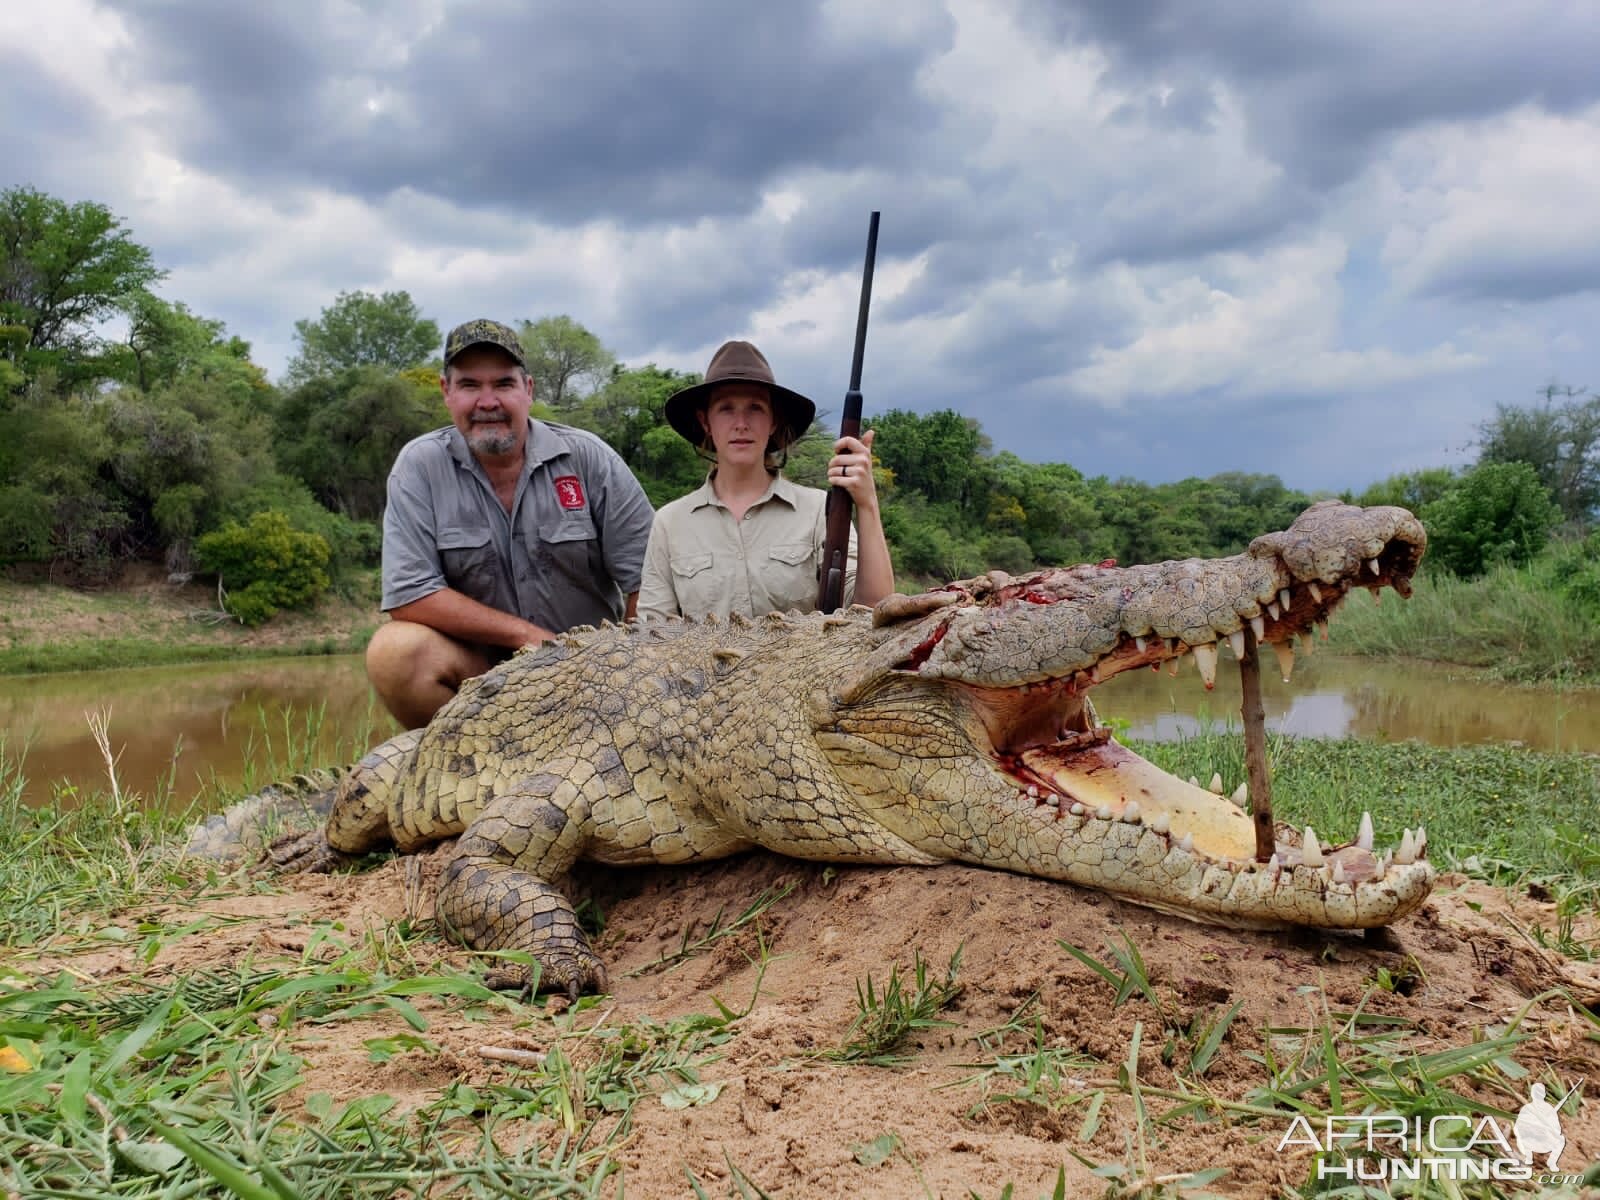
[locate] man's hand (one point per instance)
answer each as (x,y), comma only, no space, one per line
(536,635)
(459,616)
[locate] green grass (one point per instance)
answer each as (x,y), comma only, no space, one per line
(142,1085)
(145,1085)
(1496,810)
(104,654)
(886,1019)
(1514,623)
(49,628)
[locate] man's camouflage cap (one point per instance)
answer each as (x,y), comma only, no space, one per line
(484,332)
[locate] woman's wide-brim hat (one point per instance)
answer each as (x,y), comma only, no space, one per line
(740,362)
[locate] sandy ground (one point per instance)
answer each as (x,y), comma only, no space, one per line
(143,606)
(791,1122)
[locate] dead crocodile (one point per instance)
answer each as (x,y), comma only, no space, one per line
(951,725)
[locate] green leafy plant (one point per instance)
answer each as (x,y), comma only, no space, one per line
(887,1018)
(267,565)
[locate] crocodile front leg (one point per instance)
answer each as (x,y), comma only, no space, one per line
(358,822)
(496,894)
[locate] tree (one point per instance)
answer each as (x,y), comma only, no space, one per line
(360,329)
(63,269)
(1561,442)
(1497,512)
(627,413)
(1414,490)
(560,352)
(937,455)
(340,433)
(166,342)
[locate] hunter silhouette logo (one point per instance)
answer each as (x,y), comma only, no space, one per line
(1538,1128)
(569,492)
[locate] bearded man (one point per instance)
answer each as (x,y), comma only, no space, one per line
(501,531)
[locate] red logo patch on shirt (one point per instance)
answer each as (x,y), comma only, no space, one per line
(569,492)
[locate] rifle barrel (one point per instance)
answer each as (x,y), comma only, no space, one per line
(836,542)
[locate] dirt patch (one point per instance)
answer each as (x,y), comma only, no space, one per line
(142,605)
(795,1124)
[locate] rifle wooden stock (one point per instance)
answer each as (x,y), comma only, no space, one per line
(836,543)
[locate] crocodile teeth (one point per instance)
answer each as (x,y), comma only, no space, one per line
(1407,852)
(1337,873)
(1236,643)
(1285,653)
(1159,823)
(1316,592)
(1194,781)
(1310,852)
(1364,834)
(1186,843)
(1259,628)
(1216,783)
(1077,809)
(1130,812)
(1284,598)
(1033,791)
(1273,610)
(1274,867)
(1172,666)
(1103,812)
(1380,870)
(1139,644)
(1205,657)
(1241,795)
(1422,842)
(1372,565)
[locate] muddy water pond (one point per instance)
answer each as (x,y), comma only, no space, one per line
(216,727)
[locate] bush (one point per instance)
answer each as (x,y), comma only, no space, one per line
(269,565)
(352,544)
(1575,572)
(1497,512)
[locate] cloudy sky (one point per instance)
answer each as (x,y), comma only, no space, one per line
(1153,239)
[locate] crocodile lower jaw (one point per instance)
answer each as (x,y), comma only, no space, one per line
(1133,829)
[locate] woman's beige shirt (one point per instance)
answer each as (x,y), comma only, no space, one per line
(700,561)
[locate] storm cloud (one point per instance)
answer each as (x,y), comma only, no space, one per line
(1150,240)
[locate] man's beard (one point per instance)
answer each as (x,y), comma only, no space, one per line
(496,437)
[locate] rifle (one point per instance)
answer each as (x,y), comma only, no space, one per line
(836,544)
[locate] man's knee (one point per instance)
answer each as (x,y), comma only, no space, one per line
(415,669)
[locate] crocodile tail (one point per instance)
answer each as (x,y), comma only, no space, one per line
(245,828)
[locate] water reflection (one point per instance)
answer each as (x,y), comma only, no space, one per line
(223,723)
(200,726)
(1361,698)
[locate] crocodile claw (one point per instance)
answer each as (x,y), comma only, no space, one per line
(308,853)
(573,971)
(570,972)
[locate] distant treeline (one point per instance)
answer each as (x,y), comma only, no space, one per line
(166,443)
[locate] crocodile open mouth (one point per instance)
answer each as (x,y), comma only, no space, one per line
(1045,739)
(1083,773)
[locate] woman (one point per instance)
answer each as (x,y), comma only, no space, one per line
(749,541)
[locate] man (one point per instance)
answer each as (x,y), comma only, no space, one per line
(500,531)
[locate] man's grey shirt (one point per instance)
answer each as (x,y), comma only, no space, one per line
(567,553)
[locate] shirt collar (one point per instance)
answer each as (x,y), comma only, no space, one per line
(779,489)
